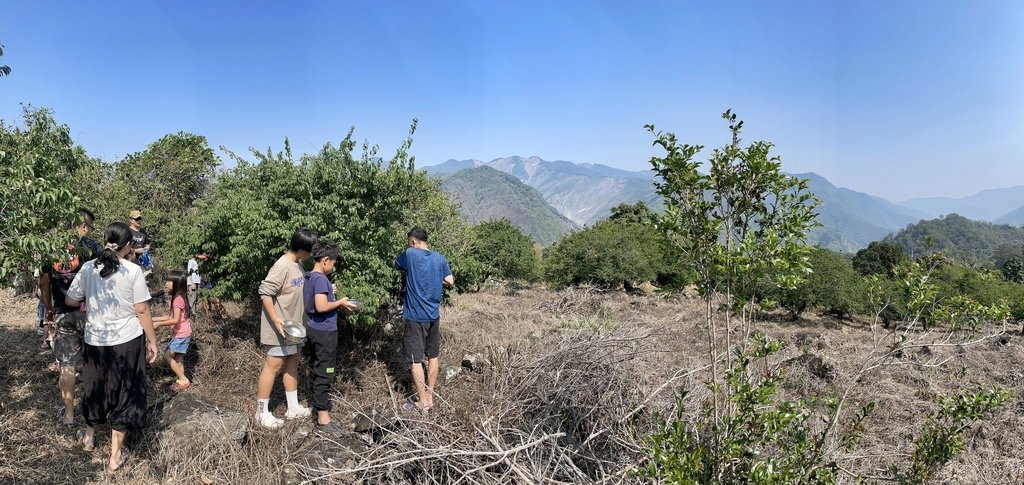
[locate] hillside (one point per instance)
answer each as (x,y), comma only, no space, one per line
(485,193)
(1013,218)
(584,193)
(987,205)
(961,238)
(850,220)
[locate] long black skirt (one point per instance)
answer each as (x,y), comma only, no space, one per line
(114,378)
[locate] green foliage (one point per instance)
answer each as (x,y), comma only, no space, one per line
(1013,270)
(636,213)
(363,204)
(38,199)
(4,70)
(942,436)
(965,240)
(762,440)
(832,286)
(162,181)
(984,287)
(878,258)
(607,254)
(505,251)
(742,223)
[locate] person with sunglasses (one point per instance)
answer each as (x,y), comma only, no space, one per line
(140,239)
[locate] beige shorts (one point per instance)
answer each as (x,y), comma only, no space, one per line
(281,350)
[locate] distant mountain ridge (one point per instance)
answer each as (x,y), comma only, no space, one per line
(961,238)
(485,194)
(850,219)
(584,193)
(987,205)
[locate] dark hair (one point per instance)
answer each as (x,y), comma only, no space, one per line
(119,234)
(303,240)
(179,287)
(326,249)
(418,233)
(87,217)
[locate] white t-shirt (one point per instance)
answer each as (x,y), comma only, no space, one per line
(193,272)
(110,302)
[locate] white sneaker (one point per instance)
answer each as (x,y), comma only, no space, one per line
(301,412)
(268,420)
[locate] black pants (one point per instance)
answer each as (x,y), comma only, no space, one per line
(114,378)
(324,346)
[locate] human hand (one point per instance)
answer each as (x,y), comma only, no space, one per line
(278,325)
(151,352)
(49,316)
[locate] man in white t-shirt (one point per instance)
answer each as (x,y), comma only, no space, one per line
(194,280)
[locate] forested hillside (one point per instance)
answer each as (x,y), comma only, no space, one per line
(963,239)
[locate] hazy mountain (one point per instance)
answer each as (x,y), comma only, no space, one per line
(1014,218)
(850,220)
(959,237)
(987,205)
(486,193)
(583,192)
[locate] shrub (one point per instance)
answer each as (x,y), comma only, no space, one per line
(505,251)
(832,286)
(878,258)
(607,254)
(363,204)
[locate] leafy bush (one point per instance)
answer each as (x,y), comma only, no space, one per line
(38,187)
(832,286)
(364,204)
(608,253)
(878,258)
(505,251)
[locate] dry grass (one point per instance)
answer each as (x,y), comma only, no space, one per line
(575,376)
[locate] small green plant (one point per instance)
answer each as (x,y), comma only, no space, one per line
(942,436)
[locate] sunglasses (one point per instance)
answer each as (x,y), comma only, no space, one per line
(136,218)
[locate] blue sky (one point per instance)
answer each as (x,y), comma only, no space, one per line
(896,98)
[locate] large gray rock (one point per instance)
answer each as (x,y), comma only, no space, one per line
(193,424)
(475,362)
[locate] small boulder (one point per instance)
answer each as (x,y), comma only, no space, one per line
(691,291)
(193,424)
(474,362)
(449,373)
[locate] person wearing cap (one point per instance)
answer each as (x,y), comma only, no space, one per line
(140,240)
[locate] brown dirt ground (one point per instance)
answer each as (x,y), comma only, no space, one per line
(33,448)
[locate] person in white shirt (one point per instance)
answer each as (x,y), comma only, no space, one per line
(118,342)
(194,280)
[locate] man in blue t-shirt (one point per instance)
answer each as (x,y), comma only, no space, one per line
(426,274)
(322,331)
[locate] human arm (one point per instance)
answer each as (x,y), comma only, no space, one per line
(146,320)
(270,287)
(46,293)
(448,280)
(74,295)
(170,320)
(324,306)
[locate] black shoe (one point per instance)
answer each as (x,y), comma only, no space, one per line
(329,430)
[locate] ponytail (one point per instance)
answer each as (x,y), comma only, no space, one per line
(115,237)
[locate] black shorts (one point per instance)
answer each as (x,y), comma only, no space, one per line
(422,341)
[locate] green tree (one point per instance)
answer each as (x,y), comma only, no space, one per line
(637,213)
(878,258)
(364,204)
(505,250)
(38,199)
(609,254)
(833,286)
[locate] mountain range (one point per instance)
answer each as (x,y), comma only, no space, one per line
(584,194)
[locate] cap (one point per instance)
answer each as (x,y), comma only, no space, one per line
(135,214)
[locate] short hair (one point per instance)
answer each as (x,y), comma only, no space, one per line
(418,233)
(303,240)
(326,249)
(87,216)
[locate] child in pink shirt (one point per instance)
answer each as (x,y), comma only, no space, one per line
(176,288)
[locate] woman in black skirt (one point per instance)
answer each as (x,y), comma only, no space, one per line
(118,341)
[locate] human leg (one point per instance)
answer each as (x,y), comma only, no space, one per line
(413,348)
(325,348)
(116,450)
(66,384)
(290,380)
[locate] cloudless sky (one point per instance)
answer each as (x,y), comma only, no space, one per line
(896,98)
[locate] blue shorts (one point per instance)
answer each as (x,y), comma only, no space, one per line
(179,345)
(41,311)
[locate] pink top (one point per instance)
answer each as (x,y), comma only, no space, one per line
(183,328)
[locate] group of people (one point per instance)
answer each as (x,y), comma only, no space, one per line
(96,304)
(289,296)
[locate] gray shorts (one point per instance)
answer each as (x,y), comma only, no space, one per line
(281,350)
(67,338)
